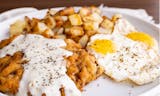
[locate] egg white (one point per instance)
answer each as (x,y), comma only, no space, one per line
(131,60)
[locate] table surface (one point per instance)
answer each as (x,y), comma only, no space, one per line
(151,6)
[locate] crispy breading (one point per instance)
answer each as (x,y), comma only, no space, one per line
(5,42)
(11,72)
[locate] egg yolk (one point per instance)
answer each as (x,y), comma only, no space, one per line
(141,37)
(103,46)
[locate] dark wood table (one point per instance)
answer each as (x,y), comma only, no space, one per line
(152,6)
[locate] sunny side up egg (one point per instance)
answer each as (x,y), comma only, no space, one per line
(128,56)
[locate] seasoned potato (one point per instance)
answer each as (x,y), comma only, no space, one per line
(83,40)
(94,17)
(59,36)
(107,24)
(51,12)
(90,26)
(48,33)
(95,10)
(76,31)
(50,22)
(17,28)
(116,17)
(75,19)
(67,11)
(91,32)
(40,28)
(85,11)
(72,46)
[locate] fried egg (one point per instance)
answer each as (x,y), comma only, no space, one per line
(125,58)
(125,28)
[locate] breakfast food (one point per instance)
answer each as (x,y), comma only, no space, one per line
(127,54)
(11,71)
(46,67)
(82,71)
(125,59)
(61,53)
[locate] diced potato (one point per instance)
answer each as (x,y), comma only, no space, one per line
(60,31)
(28,24)
(48,33)
(67,11)
(104,31)
(59,21)
(17,28)
(67,30)
(75,19)
(95,10)
(51,12)
(116,17)
(64,18)
(88,26)
(34,22)
(67,26)
(94,17)
(90,33)
(108,25)
(40,28)
(76,31)
(84,11)
(60,18)
(50,22)
(72,45)
(83,41)
(60,36)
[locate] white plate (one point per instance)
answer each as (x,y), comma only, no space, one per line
(103,86)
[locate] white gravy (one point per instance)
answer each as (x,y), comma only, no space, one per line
(45,71)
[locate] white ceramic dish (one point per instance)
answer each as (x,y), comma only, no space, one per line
(103,86)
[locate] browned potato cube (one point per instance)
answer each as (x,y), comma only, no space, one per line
(50,22)
(94,17)
(39,28)
(83,40)
(95,9)
(59,36)
(76,31)
(88,26)
(107,25)
(85,11)
(116,17)
(67,11)
(48,33)
(90,33)
(75,19)
(17,28)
